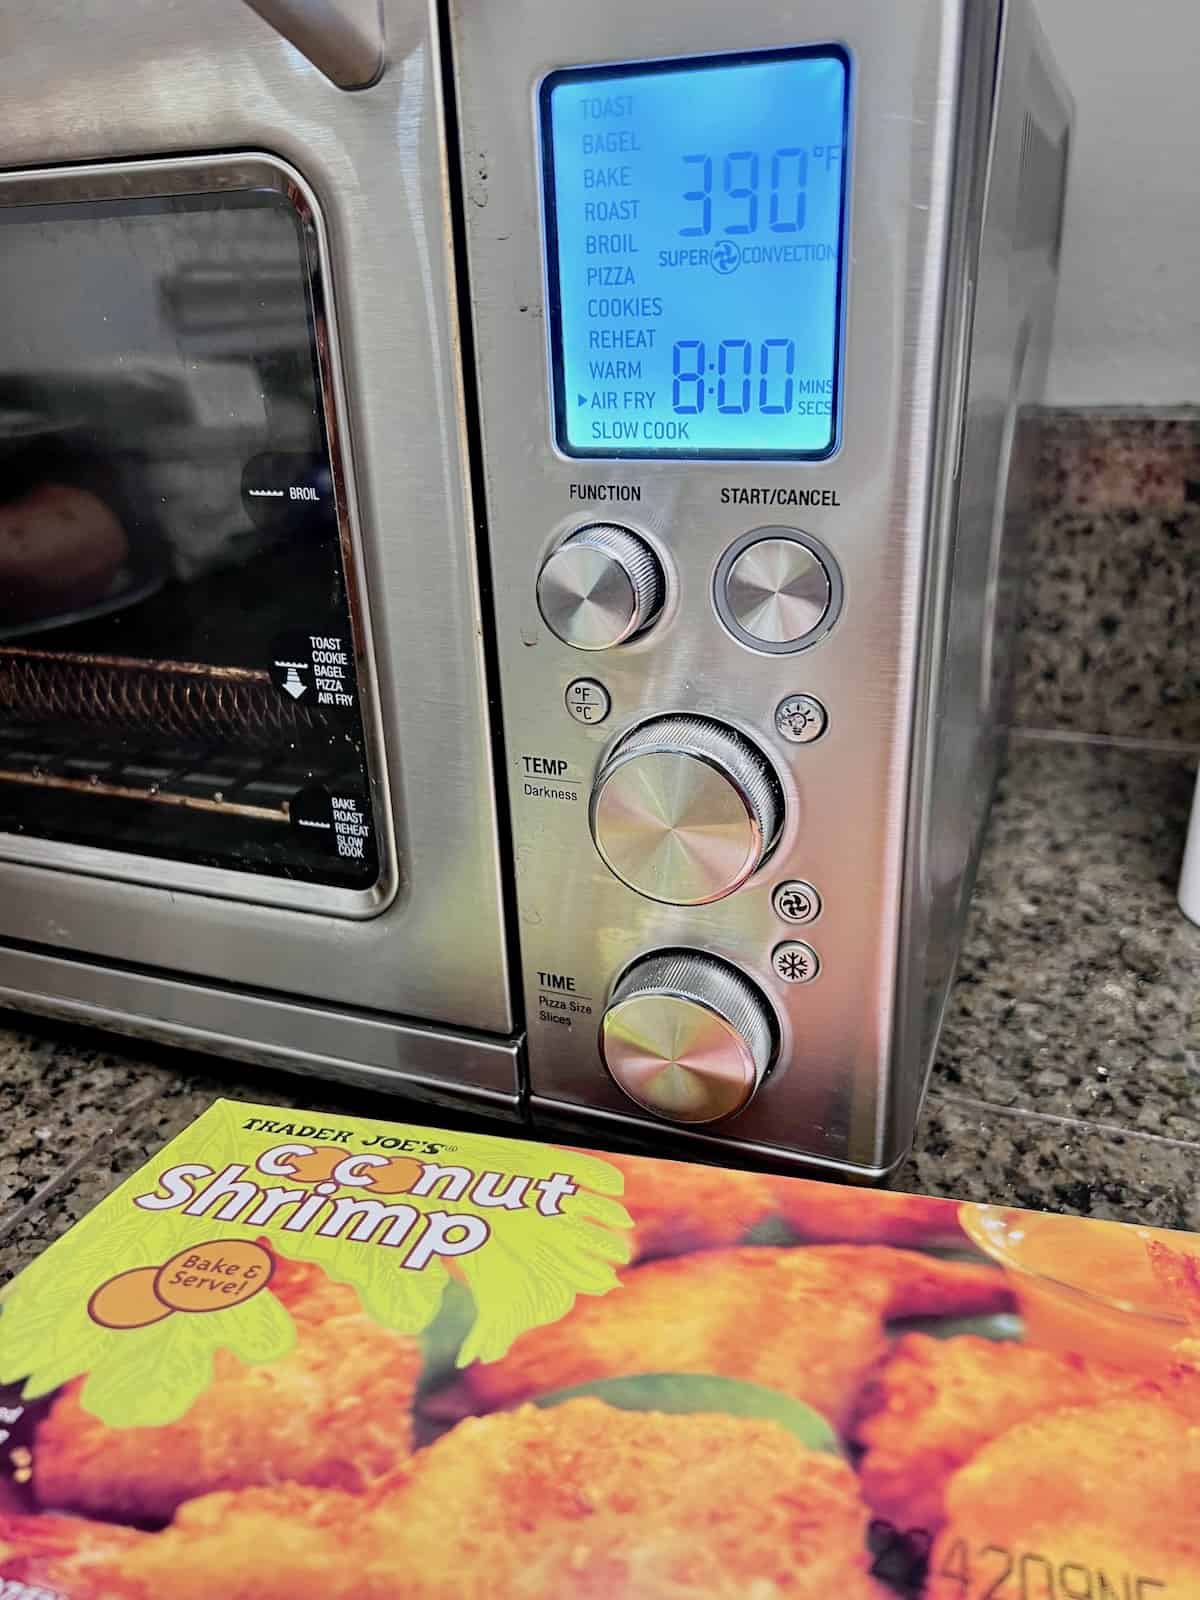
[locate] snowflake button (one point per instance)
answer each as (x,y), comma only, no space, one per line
(795,962)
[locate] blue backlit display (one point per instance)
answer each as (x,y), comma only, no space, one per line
(694,222)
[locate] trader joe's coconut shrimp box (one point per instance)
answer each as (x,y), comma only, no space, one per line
(302,1357)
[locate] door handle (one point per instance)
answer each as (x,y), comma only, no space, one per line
(348,49)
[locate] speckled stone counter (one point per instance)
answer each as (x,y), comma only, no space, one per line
(1069,1070)
(1068,1077)
(1110,637)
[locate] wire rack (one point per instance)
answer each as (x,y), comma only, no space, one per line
(174,698)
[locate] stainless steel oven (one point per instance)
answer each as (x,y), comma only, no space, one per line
(506,573)
(246,784)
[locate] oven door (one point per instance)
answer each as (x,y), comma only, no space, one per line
(243,717)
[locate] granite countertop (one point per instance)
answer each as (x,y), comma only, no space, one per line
(1068,1076)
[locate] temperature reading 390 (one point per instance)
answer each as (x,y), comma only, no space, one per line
(741,189)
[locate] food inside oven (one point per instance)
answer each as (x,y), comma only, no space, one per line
(179,672)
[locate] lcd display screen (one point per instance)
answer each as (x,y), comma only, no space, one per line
(695,218)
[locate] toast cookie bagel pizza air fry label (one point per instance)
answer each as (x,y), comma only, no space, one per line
(178,1263)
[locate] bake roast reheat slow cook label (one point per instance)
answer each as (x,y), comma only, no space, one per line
(304,1356)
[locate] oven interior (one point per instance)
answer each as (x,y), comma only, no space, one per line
(178,665)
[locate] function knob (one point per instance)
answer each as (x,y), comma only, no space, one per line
(687,1037)
(685,809)
(600,586)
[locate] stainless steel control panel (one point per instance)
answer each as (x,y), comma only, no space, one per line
(759,618)
(712,670)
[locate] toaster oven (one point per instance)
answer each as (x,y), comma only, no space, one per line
(509,540)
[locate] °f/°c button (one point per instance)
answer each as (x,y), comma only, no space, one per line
(795,962)
(587,700)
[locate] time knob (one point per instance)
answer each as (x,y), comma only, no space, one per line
(600,587)
(687,1036)
(685,809)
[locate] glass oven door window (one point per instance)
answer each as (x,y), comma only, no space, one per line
(178,666)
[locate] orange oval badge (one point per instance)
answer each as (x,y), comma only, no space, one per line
(128,1300)
(214,1276)
(316,1168)
(397,1177)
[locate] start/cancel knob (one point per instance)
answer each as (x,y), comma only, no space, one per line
(600,586)
(687,1036)
(685,809)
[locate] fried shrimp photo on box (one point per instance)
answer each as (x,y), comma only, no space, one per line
(809,1321)
(1092,1500)
(837,1213)
(53,1556)
(935,1402)
(282,1543)
(677,1208)
(577,1502)
(584,1500)
(335,1411)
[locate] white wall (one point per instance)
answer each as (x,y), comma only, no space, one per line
(1128,320)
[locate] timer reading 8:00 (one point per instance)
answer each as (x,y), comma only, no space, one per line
(743,383)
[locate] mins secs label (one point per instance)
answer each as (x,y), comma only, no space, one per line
(739,495)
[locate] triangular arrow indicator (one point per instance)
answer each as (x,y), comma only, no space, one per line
(582,401)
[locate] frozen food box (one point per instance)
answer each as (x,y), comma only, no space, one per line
(324,1358)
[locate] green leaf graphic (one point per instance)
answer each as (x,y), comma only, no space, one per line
(57,1368)
(529,1269)
(688,1392)
(530,1273)
(258,1331)
(1000,1326)
(154,1375)
(406,1302)
(442,1339)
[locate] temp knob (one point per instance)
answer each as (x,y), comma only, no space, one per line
(687,1037)
(600,586)
(684,810)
